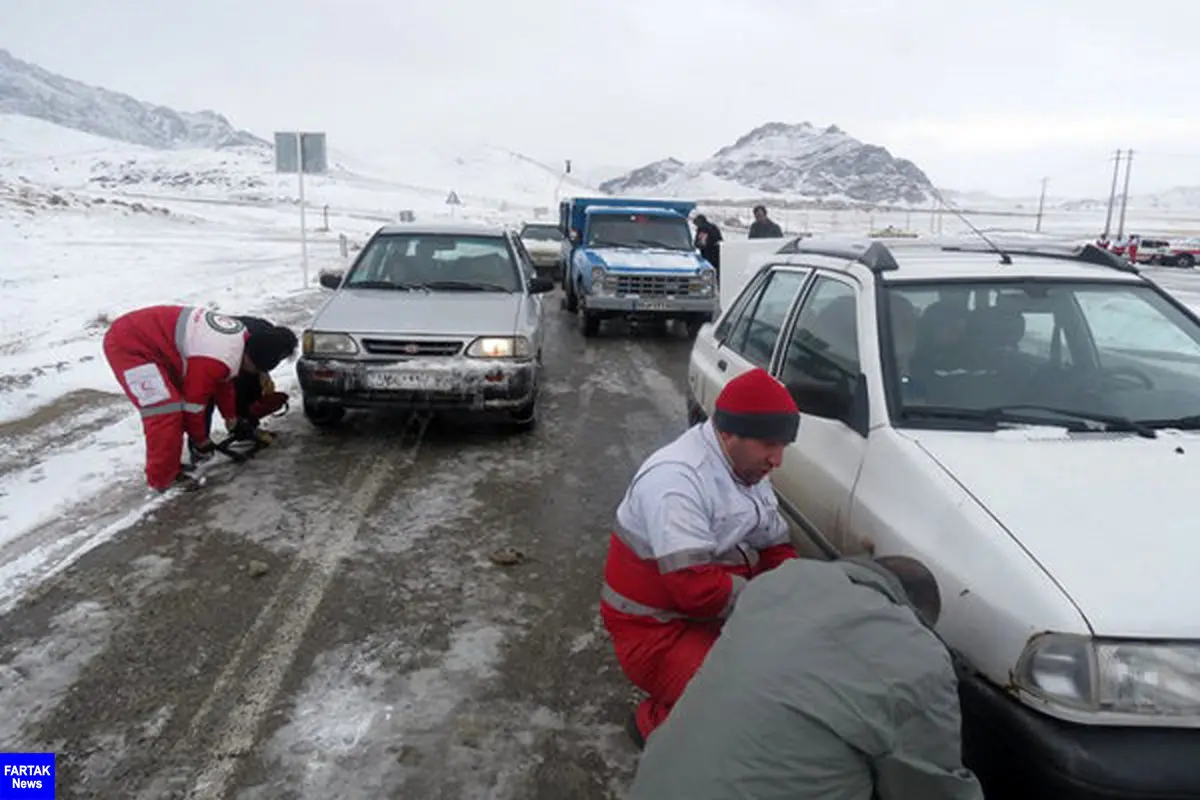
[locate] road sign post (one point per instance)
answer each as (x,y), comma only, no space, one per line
(300,152)
(452,201)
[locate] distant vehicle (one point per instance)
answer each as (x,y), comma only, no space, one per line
(429,317)
(1030,431)
(544,242)
(634,258)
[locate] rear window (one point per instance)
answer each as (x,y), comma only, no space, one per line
(541,233)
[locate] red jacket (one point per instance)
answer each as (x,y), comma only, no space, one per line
(198,350)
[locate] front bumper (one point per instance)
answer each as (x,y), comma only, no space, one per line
(1017,751)
(652,305)
(462,384)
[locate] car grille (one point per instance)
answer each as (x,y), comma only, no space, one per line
(411,347)
(653,285)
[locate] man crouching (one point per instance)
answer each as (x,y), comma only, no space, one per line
(698,521)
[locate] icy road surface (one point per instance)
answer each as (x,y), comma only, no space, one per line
(330,624)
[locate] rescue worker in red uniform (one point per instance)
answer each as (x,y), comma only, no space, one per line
(698,521)
(171,361)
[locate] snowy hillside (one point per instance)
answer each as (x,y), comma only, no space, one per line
(778,159)
(30,90)
(489,179)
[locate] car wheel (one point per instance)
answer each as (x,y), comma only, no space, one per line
(525,418)
(1186,261)
(590,322)
(323,415)
(570,300)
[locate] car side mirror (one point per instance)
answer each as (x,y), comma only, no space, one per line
(330,280)
(826,399)
(540,285)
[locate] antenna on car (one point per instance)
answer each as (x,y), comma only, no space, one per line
(1004,257)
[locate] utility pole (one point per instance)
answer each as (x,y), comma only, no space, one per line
(1041,205)
(1112,196)
(1125,194)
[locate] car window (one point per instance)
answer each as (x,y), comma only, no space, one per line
(744,301)
(823,344)
(757,332)
(541,233)
(1085,348)
(638,230)
(411,260)
(523,259)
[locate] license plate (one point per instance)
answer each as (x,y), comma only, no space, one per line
(404,381)
(650,305)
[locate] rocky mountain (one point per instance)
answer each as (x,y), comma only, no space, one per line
(29,90)
(779,159)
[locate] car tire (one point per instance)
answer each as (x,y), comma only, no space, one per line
(323,415)
(590,323)
(570,300)
(525,419)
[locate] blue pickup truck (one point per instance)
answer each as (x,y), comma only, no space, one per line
(633,258)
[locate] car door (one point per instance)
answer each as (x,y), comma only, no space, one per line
(816,480)
(746,338)
(532,305)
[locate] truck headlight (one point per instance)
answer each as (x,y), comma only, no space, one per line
(1154,681)
(314,343)
(708,275)
(598,274)
(500,347)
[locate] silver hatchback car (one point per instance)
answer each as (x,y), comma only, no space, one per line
(429,317)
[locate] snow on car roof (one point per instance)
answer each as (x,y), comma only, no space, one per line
(935,264)
(444,228)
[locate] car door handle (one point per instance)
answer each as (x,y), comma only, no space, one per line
(721,365)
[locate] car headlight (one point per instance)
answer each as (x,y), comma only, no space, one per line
(708,275)
(598,274)
(328,344)
(1154,681)
(500,347)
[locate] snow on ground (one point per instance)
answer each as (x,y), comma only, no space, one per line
(91,228)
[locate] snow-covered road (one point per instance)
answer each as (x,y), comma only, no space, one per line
(330,623)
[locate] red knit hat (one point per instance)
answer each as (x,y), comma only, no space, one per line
(757,406)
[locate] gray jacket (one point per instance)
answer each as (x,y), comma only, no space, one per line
(822,685)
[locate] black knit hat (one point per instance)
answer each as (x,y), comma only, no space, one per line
(266,348)
(755,405)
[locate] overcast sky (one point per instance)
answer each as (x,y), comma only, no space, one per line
(990,96)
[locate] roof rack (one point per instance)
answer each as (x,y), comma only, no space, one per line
(1085,254)
(875,256)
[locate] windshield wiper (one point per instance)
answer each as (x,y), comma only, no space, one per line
(663,245)
(1011,414)
(404,287)
(607,243)
(466,286)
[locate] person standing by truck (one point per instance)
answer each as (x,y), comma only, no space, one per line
(708,241)
(763,226)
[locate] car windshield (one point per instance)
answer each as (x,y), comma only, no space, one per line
(639,231)
(1090,355)
(436,262)
(541,233)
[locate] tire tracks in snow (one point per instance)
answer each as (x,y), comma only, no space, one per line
(254,675)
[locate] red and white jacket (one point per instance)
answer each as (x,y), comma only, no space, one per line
(689,535)
(199,350)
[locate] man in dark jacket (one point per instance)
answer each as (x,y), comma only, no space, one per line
(763,226)
(708,241)
(824,683)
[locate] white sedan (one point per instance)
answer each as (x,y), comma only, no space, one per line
(1028,426)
